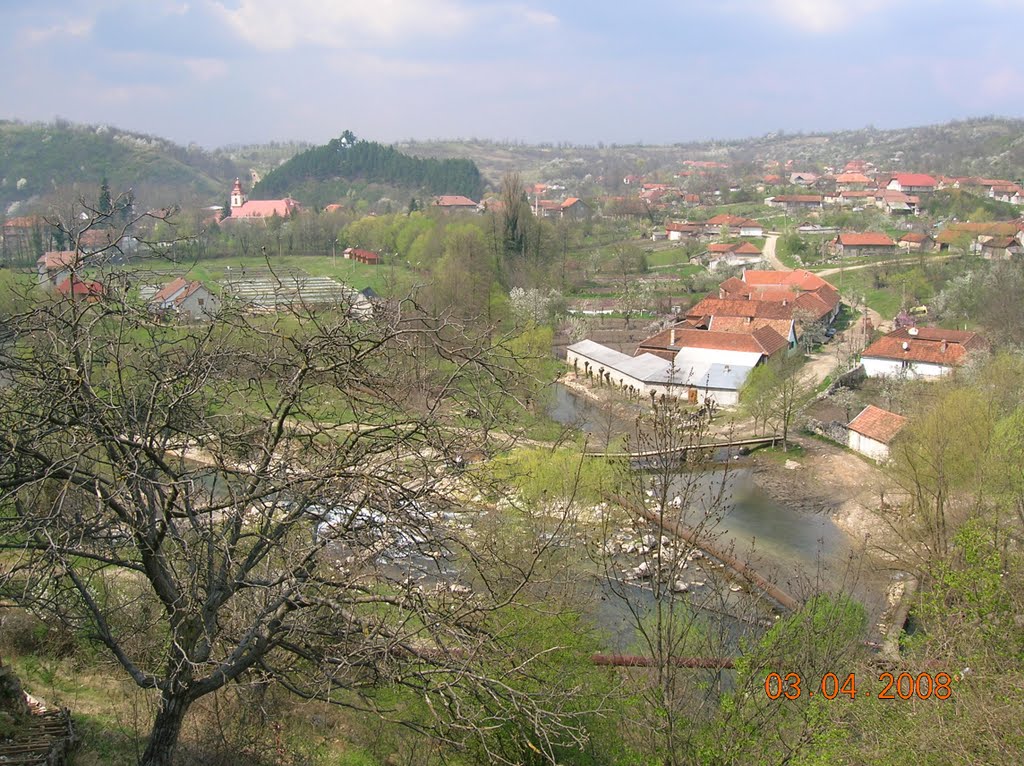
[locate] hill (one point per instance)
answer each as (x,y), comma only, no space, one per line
(990,146)
(38,159)
(323,172)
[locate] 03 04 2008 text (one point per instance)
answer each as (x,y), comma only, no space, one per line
(904,686)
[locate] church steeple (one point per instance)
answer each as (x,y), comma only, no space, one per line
(237,198)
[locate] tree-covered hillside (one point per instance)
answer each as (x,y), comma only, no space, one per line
(38,159)
(348,159)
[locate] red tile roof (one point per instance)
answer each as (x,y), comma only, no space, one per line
(80,288)
(931,345)
(799,278)
(59,259)
(865,239)
(782,327)
(771,341)
(686,228)
(852,178)
(913,179)
(168,290)
(711,306)
(725,219)
(914,236)
(764,340)
(878,424)
(454,200)
(265,208)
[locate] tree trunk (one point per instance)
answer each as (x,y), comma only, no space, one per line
(163,739)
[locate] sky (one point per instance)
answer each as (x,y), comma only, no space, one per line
(222,72)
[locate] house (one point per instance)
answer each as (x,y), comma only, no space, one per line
(973,235)
(450,203)
(574,209)
(244,209)
(744,315)
(714,365)
(852,181)
(1000,248)
(54,266)
(679,231)
(795,201)
(732,254)
(185,298)
(803,179)
(80,289)
(866,244)
(873,430)
(367,257)
(897,203)
(811,295)
(736,225)
(919,352)
(911,183)
(915,241)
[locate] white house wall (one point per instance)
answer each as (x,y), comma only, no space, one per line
(881,368)
(583,364)
(868,446)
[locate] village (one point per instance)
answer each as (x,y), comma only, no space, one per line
(773,334)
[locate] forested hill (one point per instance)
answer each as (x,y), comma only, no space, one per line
(349,160)
(36,159)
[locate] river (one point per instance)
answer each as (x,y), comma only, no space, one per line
(799,551)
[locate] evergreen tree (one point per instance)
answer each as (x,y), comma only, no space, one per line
(105,205)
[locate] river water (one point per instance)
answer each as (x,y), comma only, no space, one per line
(801,552)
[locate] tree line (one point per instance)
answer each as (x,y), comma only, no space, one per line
(352,159)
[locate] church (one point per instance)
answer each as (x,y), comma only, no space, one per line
(245,209)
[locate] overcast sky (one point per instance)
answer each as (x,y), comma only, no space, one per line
(218,72)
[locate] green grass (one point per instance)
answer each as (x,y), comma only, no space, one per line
(676,256)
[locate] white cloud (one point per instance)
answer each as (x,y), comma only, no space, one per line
(206,69)
(540,18)
(68,28)
(810,16)
(274,25)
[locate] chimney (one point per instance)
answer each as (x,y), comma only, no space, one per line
(672,337)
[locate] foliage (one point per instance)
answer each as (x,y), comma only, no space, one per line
(957,204)
(371,162)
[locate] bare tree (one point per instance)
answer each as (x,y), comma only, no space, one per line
(258,497)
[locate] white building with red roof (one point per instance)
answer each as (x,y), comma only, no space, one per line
(54,266)
(244,209)
(873,430)
(185,298)
(911,183)
(919,352)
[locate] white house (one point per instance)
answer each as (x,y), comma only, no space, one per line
(919,352)
(872,431)
(184,298)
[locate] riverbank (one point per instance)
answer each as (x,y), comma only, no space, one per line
(827,479)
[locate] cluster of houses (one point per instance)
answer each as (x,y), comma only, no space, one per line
(922,353)
(707,356)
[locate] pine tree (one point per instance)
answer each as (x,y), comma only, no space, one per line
(105,205)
